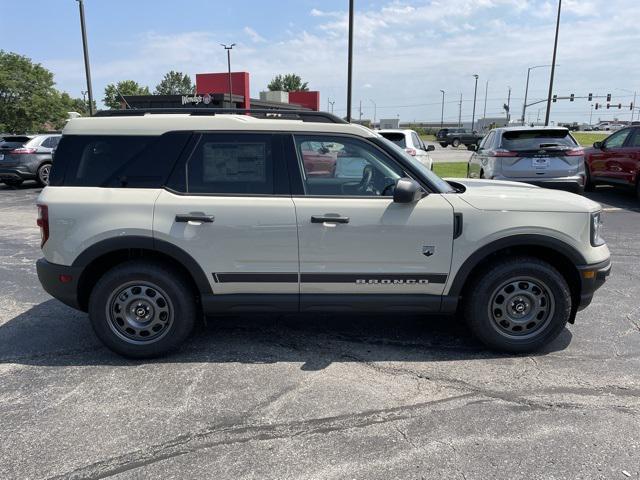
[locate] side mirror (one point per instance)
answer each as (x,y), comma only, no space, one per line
(473,147)
(598,145)
(407,190)
(430,148)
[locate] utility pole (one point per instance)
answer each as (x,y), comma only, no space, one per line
(360,111)
(526,90)
(375,108)
(509,107)
(475,92)
(634,106)
(228,49)
(442,112)
(486,91)
(553,66)
(591,115)
(350,61)
(85,48)
(460,112)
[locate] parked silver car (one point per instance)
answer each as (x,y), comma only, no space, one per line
(26,157)
(545,156)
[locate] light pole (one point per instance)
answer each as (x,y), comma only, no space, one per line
(475,92)
(591,115)
(350,61)
(375,111)
(442,111)
(85,48)
(460,112)
(526,90)
(332,103)
(228,48)
(486,92)
(509,106)
(634,100)
(553,66)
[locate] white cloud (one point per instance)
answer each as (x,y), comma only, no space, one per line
(253,35)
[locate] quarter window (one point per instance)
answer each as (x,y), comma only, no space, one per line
(340,166)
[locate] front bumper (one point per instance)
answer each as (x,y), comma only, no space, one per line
(49,275)
(16,173)
(592,277)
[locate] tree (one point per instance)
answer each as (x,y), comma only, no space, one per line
(28,100)
(288,83)
(174,83)
(113,100)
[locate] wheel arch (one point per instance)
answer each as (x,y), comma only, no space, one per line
(106,254)
(564,257)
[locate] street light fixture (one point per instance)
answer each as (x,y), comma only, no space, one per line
(526,90)
(228,48)
(475,91)
(85,48)
(442,111)
(553,66)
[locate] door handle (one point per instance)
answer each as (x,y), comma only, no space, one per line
(329,219)
(188,217)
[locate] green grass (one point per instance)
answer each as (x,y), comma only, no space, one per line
(586,139)
(454,170)
(428,138)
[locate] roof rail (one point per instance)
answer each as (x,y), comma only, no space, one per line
(270,113)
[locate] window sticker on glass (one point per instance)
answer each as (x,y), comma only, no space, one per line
(234,163)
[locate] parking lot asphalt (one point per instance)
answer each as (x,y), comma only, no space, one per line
(449,154)
(323,396)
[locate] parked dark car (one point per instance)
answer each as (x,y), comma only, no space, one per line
(26,157)
(615,160)
(457,136)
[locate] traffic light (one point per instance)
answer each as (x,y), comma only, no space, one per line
(571,97)
(631,106)
(619,106)
(555,98)
(608,106)
(608,97)
(597,106)
(590,97)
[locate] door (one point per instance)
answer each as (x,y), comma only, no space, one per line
(608,162)
(631,165)
(230,209)
(354,240)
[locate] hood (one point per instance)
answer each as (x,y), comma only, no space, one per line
(516,196)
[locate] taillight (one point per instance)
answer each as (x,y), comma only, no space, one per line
(411,151)
(23,150)
(502,153)
(43,223)
(574,152)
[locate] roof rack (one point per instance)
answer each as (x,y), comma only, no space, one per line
(270,113)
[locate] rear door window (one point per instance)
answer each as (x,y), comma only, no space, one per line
(395,137)
(520,140)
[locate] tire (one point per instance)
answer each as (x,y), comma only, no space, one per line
(638,188)
(455,143)
(588,184)
(13,183)
(517,305)
(444,144)
(163,298)
(42,175)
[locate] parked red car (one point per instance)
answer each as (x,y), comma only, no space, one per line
(615,160)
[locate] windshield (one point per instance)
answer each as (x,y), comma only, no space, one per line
(537,139)
(439,183)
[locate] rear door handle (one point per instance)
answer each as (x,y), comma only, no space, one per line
(188,217)
(329,219)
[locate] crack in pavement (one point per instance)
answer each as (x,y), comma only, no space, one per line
(229,434)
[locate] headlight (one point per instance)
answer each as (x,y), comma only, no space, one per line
(596,229)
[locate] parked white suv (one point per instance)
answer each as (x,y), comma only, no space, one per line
(151,219)
(412,144)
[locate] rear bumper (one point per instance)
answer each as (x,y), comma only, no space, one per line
(16,173)
(592,277)
(574,182)
(49,276)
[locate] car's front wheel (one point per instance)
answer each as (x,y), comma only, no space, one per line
(141,309)
(455,143)
(444,144)
(517,305)
(43,174)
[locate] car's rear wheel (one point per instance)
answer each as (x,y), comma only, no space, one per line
(444,144)
(455,143)
(13,183)
(141,309)
(518,305)
(43,174)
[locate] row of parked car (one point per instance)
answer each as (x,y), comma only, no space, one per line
(26,157)
(552,157)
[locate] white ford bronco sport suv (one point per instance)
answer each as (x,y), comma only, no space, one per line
(153,218)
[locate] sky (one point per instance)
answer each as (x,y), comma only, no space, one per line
(405,51)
